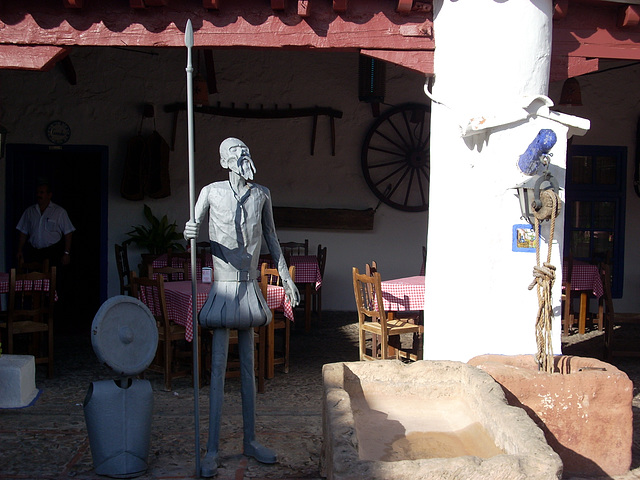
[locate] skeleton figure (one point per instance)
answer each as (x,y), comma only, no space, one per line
(240,217)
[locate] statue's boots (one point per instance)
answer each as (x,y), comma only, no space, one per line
(259,452)
(209,465)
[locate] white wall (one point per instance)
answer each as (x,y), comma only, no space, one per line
(104,108)
(476,299)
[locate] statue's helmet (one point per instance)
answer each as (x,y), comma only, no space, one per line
(235,155)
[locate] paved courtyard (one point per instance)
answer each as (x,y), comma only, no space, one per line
(49,440)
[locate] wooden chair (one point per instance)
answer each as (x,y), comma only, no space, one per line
(568,316)
(150,291)
(613,347)
(316,295)
(181,259)
(270,276)
(170,274)
(124,272)
(30,312)
(294,248)
(28,267)
(374,320)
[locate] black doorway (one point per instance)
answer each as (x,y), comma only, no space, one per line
(78,177)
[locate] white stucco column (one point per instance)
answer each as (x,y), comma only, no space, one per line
(491,62)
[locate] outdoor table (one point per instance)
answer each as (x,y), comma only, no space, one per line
(403,294)
(307,274)
(161,261)
(585,278)
(179,309)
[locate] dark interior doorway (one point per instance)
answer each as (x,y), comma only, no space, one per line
(78,178)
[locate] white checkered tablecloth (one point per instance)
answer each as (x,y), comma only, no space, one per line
(585,277)
(179,309)
(403,294)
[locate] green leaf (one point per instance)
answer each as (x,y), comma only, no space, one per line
(158,236)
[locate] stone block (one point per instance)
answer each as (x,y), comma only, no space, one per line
(17,380)
(428,419)
(584,409)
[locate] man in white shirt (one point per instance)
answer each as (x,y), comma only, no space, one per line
(45,230)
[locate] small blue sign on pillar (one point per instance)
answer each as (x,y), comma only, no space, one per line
(524,238)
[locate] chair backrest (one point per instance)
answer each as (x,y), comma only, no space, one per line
(150,291)
(31,295)
(569,271)
(180,259)
(270,276)
(170,274)
(322,258)
(36,266)
(203,248)
(371,268)
(122,264)
(294,248)
(367,291)
(605,274)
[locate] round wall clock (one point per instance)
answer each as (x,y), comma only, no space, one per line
(58,132)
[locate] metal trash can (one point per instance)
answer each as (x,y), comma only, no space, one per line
(118,411)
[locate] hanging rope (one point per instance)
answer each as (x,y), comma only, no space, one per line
(544,276)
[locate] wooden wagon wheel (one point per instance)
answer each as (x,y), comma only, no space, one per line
(395,157)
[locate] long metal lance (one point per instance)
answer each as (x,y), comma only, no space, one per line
(188,41)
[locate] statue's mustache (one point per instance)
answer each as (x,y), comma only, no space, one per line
(246,167)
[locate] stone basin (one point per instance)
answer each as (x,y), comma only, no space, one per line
(427,419)
(584,408)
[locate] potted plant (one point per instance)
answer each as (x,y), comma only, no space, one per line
(157,237)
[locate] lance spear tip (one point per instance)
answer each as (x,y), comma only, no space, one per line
(188,35)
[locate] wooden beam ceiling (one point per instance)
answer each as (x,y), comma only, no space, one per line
(370,24)
(24,57)
(398,31)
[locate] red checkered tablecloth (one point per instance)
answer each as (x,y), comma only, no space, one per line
(403,294)
(307,268)
(161,261)
(585,277)
(179,309)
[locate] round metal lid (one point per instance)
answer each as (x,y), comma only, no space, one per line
(124,335)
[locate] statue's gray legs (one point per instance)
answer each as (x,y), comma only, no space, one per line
(219,352)
(248,388)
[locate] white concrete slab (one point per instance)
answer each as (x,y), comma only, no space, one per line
(17,380)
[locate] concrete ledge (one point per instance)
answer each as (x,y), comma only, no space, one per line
(17,380)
